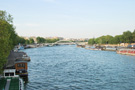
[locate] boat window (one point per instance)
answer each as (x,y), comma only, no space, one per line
(17,71)
(23,65)
(6,74)
(11,74)
(18,65)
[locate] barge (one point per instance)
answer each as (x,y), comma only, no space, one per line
(17,63)
(126,51)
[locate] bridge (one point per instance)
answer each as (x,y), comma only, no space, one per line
(60,42)
(64,42)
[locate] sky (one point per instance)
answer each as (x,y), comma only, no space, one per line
(71,18)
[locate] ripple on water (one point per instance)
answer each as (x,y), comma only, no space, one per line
(71,68)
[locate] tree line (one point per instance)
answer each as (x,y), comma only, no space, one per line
(38,40)
(8,37)
(126,37)
(24,41)
(49,40)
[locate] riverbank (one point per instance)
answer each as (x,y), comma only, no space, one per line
(126,49)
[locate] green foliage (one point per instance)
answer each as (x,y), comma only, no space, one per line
(7,37)
(51,40)
(118,39)
(104,39)
(4,43)
(20,40)
(27,42)
(126,37)
(4,16)
(133,36)
(91,41)
(40,40)
(31,41)
(43,40)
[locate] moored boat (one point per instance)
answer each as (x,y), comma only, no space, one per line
(20,47)
(11,81)
(126,51)
(109,48)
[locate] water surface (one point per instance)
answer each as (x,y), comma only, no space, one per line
(71,68)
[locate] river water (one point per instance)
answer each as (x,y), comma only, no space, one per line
(70,68)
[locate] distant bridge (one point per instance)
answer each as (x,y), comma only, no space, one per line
(60,42)
(64,42)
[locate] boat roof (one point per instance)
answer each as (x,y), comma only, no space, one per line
(9,70)
(13,58)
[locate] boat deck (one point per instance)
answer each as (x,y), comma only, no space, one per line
(9,84)
(2,83)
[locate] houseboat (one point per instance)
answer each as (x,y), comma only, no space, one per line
(126,51)
(21,68)
(94,47)
(109,48)
(16,62)
(82,46)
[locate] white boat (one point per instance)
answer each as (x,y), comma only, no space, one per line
(26,58)
(11,81)
(20,47)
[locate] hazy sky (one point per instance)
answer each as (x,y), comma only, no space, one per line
(71,18)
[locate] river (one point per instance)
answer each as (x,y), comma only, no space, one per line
(70,68)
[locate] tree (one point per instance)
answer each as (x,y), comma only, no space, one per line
(40,40)
(127,37)
(91,41)
(27,42)
(108,39)
(4,43)
(31,40)
(51,40)
(43,40)
(20,40)
(7,37)
(133,36)
(4,16)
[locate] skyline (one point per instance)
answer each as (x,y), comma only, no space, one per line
(71,18)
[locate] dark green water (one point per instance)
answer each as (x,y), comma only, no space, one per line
(71,68)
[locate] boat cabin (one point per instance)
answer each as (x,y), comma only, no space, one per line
(10,73)
(21,68)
